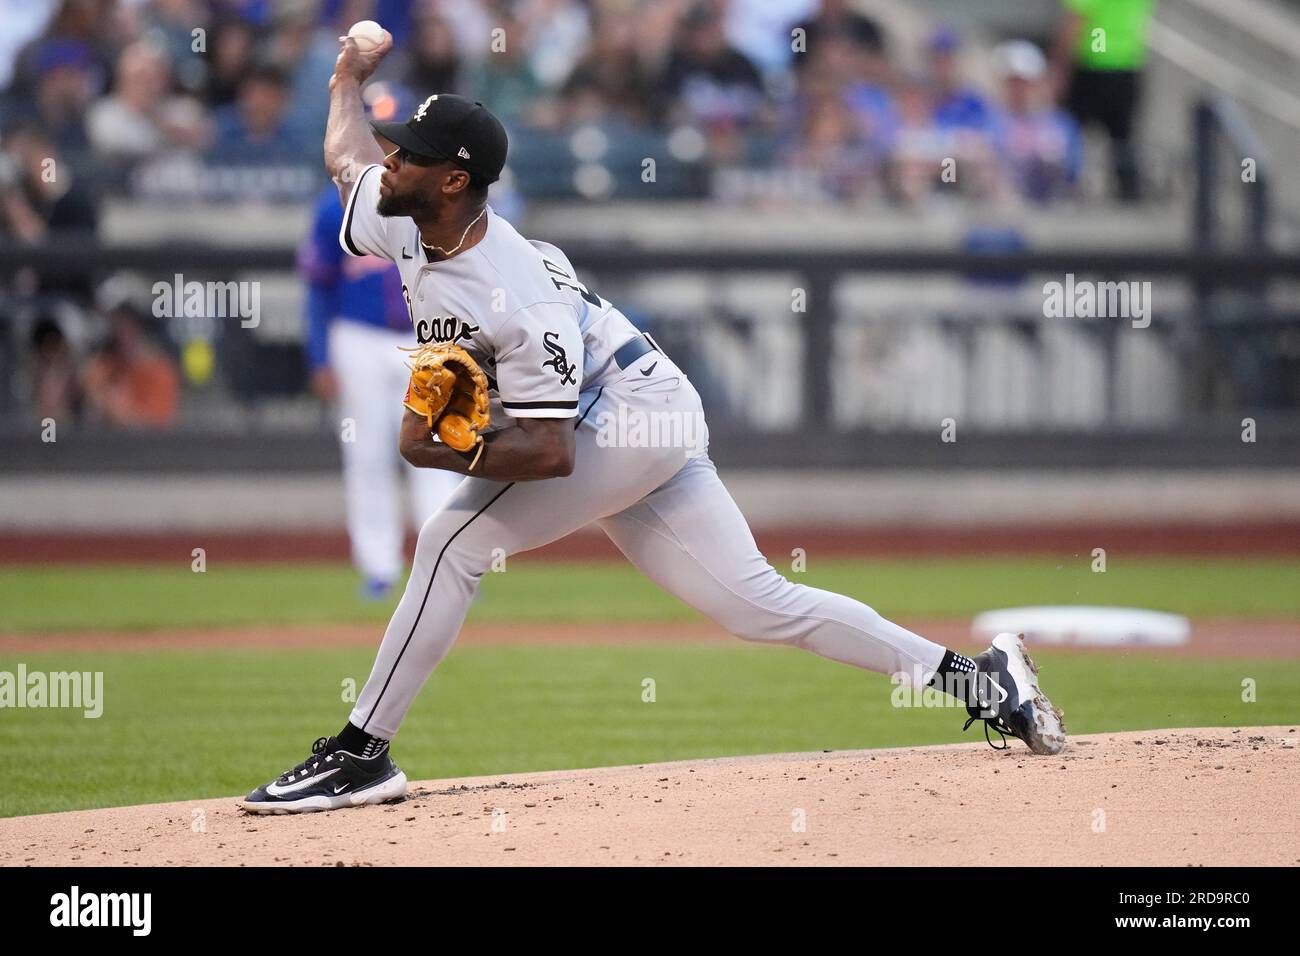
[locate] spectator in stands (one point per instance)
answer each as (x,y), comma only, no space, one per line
(505,77)
(85,25)
(55,385)
(306,51)
(432,62)
(256,129)
(66,82)
(837,18)
(840,62)
(1097,71)
(141,117)
(966,118)
(471,25)
(557,33)
(611,80)
(827,143)
(131,382)
(171,25)
(232,48)
(40,194)
(709,83)
(1039,146)
(956,105)
(760,29)
(42,198)
(919,145)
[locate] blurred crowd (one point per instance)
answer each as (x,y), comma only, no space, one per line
(146,94)
(126,377)
(226,99)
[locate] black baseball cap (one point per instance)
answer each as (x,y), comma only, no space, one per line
(450,127)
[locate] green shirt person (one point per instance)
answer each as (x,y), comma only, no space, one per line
(1096,74)
(1110,34)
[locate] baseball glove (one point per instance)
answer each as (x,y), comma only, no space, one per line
(449,389)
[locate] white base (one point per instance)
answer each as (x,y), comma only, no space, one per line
(1085,626)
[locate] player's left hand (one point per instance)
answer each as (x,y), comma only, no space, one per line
(451,392)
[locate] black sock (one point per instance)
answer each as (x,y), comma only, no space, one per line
(357,741)
(955,676)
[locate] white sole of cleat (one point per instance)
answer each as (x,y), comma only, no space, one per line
(1047,735)
(394,788)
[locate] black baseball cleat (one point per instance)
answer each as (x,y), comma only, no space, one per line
(1007,698)
(328,780)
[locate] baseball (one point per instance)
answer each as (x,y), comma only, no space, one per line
(367,33)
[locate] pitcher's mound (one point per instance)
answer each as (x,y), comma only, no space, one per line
(1171,797)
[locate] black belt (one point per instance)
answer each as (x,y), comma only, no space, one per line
(629,352)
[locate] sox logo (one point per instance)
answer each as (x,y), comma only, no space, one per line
(560,359)
(424,107)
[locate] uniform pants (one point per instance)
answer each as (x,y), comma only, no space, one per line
(657,495)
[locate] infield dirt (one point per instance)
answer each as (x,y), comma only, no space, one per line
(1218,796)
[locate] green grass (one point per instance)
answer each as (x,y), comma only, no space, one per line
(184,725)
(154,597)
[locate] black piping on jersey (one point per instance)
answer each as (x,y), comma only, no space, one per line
(560,405)
(429,588)
(347,218)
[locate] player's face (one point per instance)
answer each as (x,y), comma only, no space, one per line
(412,185)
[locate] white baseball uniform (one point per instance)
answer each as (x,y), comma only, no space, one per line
(642,471)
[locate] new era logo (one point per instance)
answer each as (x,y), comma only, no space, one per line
(463,153)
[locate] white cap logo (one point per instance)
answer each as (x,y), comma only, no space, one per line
(463,153)
(424,107)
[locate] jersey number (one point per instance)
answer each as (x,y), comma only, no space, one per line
(563,280)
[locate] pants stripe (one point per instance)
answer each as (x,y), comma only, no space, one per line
(428,588)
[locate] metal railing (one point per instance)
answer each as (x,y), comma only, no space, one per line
(815,339)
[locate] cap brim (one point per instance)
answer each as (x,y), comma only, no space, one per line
(399,134)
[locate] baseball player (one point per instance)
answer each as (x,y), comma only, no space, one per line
(575,392)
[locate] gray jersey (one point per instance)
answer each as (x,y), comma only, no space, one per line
(516,306)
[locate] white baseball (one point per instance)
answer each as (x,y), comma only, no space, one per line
(368,34)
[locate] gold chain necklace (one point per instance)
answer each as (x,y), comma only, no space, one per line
(448,253)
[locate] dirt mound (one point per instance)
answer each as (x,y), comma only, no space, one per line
(1211,796)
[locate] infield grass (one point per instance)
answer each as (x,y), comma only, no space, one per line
(183,724)
(151,597)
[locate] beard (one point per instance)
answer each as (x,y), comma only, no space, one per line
(400,205)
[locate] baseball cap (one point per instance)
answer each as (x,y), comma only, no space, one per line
(944,39)
(62,52)
(450,127)
(1019,58)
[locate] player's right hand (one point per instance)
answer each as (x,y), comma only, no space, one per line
(355,65)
